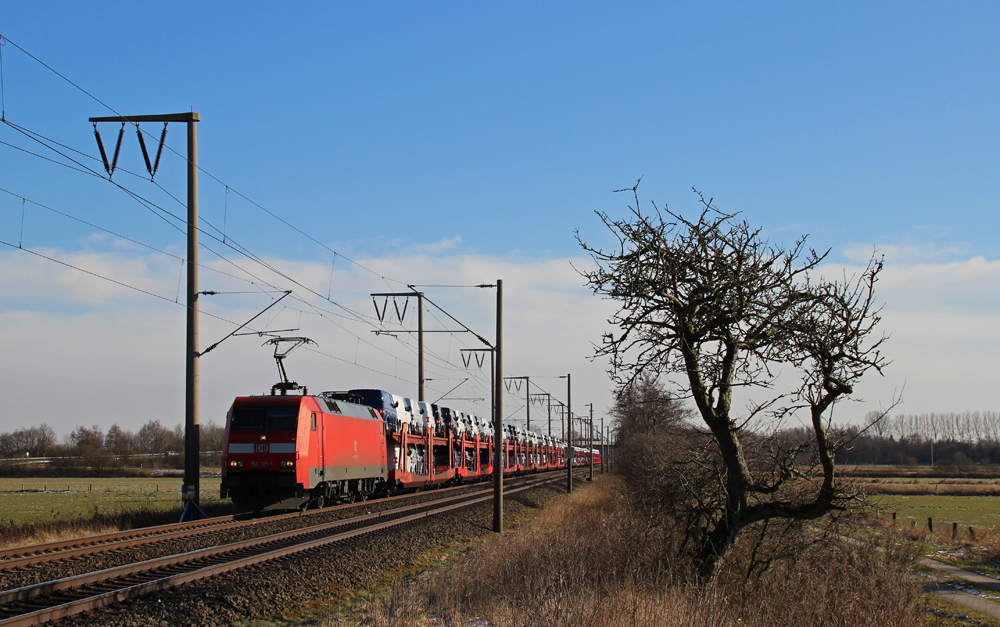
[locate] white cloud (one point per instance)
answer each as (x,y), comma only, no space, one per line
(104,354)
(907,253)
(79,351)
(441,246)
(943,319)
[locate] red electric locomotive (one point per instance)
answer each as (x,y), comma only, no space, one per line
(291,451)
(284,452)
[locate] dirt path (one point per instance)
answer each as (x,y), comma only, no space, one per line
(958,597)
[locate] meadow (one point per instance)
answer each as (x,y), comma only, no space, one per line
(981,512)
(30,501)
(968,501)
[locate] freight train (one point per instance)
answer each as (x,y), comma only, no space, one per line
(293,452)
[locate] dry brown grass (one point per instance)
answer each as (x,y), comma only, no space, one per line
(982,545)
(591,560)
(939,488)
(926,472)
(12,535)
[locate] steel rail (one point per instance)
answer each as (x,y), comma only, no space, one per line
(58,550)
(297,540)
(34,590)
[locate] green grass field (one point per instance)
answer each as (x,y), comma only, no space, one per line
(26,501)
(981,512)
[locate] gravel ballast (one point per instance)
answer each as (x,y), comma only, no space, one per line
(275,588)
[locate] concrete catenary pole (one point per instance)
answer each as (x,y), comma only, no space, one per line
(192,457)
(549,398)
(527,403)
(603,451)
(569,434)
(590,447)
(420,346)
(499,454)
(192,419)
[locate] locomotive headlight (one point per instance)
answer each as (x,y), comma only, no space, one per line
(288,463)
(235,464)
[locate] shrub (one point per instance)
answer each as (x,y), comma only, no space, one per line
(594,559)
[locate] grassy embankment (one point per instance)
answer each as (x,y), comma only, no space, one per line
(590,559)
(604,564)
(42,510)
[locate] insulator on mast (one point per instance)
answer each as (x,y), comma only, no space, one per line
(159,151)
(100,146)
(118,147)
(145,155)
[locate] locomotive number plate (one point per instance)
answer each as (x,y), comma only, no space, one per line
(260,448)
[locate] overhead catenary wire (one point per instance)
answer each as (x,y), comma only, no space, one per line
(239,248)
(213,346)
(46,66)
(202,170)
(160,297)
(353,363)
(147,246)
(148,204)
(125,237)
(207,173)
(107,278)
(3,100)
(35,154)
(165,298)
(42,139)
(156,209)
(37,137)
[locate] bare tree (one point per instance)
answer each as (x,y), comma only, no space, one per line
(33,441)
(711,300)
(153,438)
(880,426)
(211,436)
(646,407)
(991,425)
(119,442)
(86,438)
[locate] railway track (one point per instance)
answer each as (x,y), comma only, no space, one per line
(60,550)
(24,556)
(51,600)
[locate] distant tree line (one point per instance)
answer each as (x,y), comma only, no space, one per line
(960,439)
(953,439)
(153,445)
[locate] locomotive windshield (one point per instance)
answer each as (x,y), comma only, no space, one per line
(245,418)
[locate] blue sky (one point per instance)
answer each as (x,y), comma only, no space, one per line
(473,135)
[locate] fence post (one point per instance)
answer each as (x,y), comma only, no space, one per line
(954,530)
(930,524)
